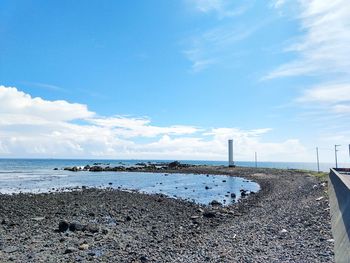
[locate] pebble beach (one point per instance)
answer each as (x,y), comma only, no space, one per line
(286,221)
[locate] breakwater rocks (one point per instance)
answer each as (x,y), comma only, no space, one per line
(99,167)
(286,221)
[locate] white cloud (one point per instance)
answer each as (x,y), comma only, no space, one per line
(217,45)
(35,127)
(16,104)
(223,8)
(324,46)
(331,93)
(140,127)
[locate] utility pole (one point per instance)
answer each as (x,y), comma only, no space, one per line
(336,155)
(256,159)
(318,161)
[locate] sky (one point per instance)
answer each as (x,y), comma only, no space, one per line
(175,79)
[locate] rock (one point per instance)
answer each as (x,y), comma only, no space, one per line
(194,217)
(87,167)
(243,192)
(75,226)
(224,181)
(215,203)
(200,210)
(96,169)
(38,218)
(10,249)
(55,169)
(128,218)
(283,231)
(69,250)
(233,195)
(207,187)
(173,165)
(63,226)
(91,228)
(84,247)
(209,214)
(320,198)
(143,259)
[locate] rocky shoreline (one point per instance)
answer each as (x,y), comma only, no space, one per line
(286,221)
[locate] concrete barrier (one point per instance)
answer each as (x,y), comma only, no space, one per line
(339,198)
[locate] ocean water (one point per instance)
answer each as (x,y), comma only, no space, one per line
(37,175)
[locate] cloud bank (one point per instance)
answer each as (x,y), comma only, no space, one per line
(35,127)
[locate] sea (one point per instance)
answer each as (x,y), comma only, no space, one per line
(38,175)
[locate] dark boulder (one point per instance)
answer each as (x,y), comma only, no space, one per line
(75,226)
(96,168)
(209,214)
(215,203)
(174,165)
(63,226)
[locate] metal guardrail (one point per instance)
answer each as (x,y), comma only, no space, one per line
(339,198)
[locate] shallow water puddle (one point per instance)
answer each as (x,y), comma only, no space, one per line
(198,188)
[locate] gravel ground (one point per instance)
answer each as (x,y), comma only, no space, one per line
(287,221)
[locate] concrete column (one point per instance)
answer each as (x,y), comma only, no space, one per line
(230,153)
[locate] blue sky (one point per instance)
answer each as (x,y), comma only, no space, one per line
(174,79)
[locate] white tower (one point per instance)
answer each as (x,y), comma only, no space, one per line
(230,153)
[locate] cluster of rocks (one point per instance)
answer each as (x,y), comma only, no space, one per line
(277,224)
(97,167)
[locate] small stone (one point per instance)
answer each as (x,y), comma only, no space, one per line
(215,203)
(91,228)
(75,226)
(143,259)
(69,250)
(84,247)
(63,226)
(283,231)
(330,240)
(38,218)
(10,249)
(209,214)
(320,198)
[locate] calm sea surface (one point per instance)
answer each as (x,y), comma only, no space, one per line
(37,175)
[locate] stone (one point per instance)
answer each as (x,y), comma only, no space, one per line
(38,218)
(173,165)
(84,247)
(69,250)
(63,226)
(75,226)
(209,214)
(283,231)
(320,198)
(143,259)
(215,203)
(10,249)
(91,228)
